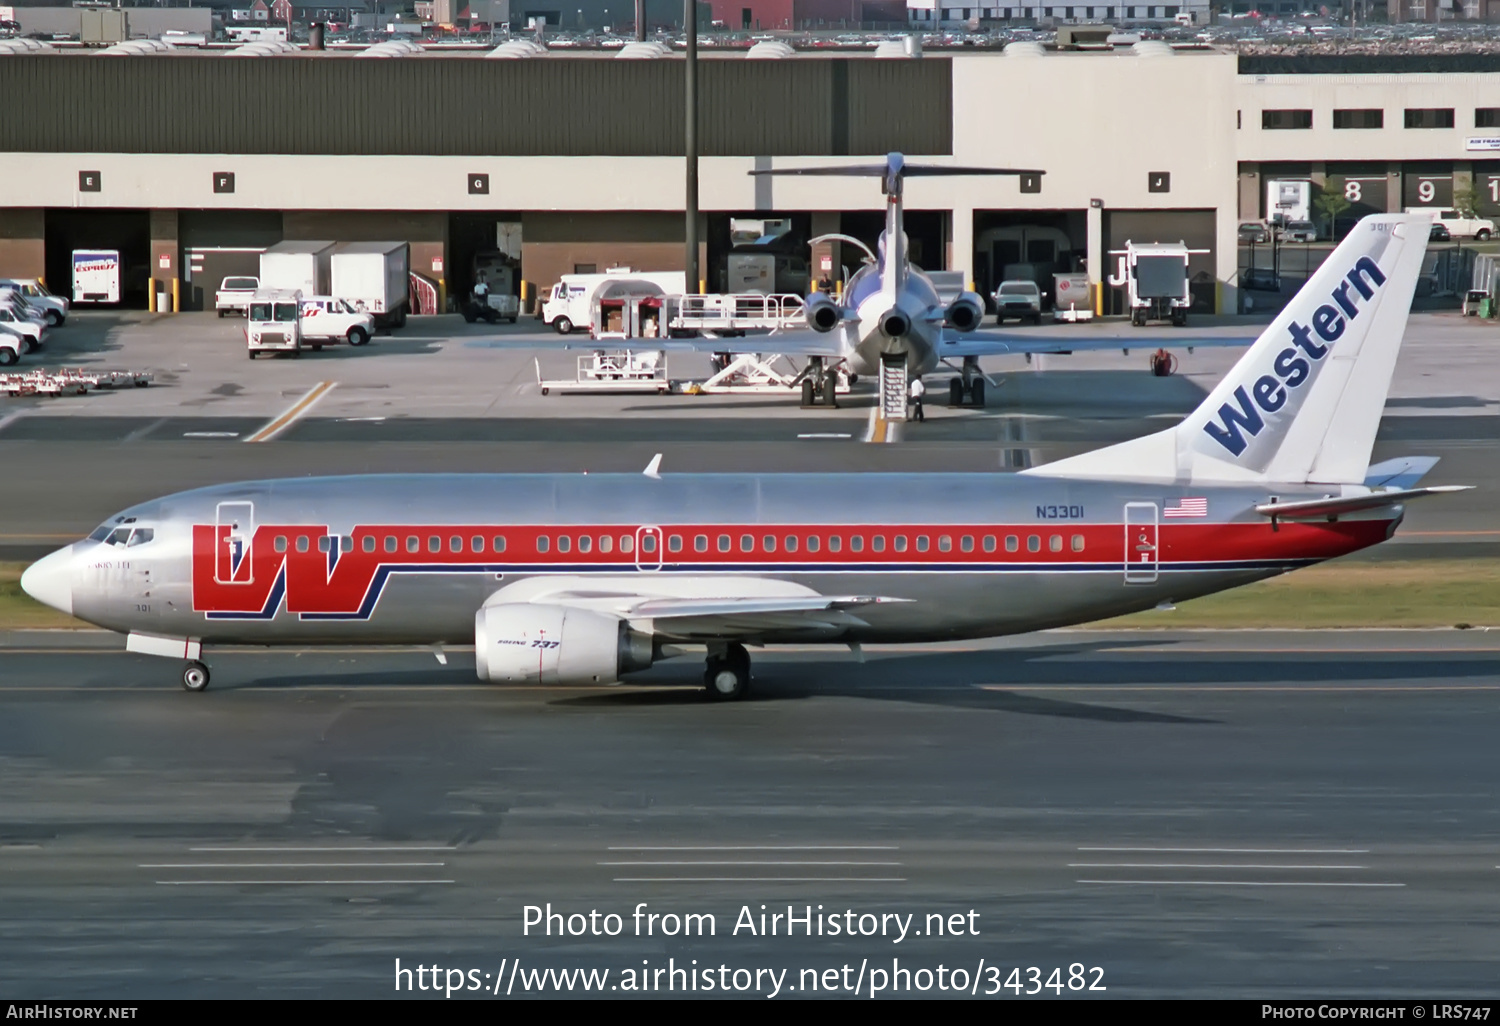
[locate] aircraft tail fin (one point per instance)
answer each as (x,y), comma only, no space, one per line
(1304,402)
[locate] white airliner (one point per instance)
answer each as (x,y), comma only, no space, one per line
(573,579)
(892,322)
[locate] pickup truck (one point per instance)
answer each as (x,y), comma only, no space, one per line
(1458,226)
(1019,299)
(234,295)
(328,319)
(10,347)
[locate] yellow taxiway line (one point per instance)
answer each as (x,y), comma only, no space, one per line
(293,414)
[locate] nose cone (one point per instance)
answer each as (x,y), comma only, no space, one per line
(50,580)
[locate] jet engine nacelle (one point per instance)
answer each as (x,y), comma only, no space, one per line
(965,313)
(531,643)
(823,312)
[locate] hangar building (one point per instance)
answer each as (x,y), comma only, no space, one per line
(190,163)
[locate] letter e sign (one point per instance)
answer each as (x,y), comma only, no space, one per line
(89,181)
(479,185)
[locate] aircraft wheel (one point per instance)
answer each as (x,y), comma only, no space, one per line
(976,392)
(830,391)
(809,392)
(728,678)
(956,392)
(195,676)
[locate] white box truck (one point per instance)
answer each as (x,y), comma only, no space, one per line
(304,267)
(374,277)
(96,276)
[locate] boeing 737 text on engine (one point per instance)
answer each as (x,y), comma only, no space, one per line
(581,579)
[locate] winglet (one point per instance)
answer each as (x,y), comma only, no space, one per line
(653,469)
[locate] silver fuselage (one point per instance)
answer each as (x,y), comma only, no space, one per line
(408,559)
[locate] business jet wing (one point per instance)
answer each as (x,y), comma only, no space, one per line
(976,343)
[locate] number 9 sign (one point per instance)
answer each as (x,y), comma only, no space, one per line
(1426,190)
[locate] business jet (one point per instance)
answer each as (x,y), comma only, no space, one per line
(580,579)
(894,323)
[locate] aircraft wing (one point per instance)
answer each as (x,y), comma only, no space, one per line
(708,619)
(713,611)
(977,343)
(788,343)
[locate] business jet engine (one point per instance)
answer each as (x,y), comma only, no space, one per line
(530,643)
(823,312)
(965,313)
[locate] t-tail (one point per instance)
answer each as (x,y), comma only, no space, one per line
(1304,402)
(895,170)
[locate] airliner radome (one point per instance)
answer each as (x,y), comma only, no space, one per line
(580,579)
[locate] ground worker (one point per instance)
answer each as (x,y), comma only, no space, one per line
(914,395)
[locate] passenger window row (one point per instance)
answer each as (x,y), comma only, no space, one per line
(675,543)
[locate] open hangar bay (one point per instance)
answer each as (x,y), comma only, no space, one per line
(1257,814)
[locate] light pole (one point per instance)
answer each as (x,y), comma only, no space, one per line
(690,142)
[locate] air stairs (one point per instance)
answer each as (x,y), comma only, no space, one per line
(893,387)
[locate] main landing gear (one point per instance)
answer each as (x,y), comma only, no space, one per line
(819,383)
(968,388)
(195,676)
(727,673)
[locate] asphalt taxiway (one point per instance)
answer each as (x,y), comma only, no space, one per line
(1254,814)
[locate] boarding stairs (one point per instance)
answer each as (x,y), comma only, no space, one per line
(893,387)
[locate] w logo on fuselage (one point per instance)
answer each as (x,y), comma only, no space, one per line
(1294,366)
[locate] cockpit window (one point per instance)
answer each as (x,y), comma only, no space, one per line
(100,533)
(141,536)
(120,536)
(103,532)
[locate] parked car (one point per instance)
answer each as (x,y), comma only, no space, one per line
(1018,299)
(1260,279)
(14,318)
(1300,231)
(10,347)
(1254,231)
(1439,232)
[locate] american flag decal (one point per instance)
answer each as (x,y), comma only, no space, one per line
(1187,508)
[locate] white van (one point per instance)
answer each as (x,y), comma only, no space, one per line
(55,308)
(570,304)
(1458,226)
(273,324)
(328,319)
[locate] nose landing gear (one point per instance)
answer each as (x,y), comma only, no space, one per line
(195,676)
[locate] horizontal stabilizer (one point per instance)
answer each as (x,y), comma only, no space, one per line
(1402,472)
(1333,506)
(909,170)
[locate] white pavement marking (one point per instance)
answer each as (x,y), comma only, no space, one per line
(427,847)
(293,413)
(1240,883)
(826,434)
(735,863)
(292,883)
(756,847)
(760,879)
(288,865)
(11,417)
(1194,865)
(207,434)
(1247,851)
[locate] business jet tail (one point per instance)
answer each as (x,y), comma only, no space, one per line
(1304,402)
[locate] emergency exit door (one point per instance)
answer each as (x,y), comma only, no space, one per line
(1140,542)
